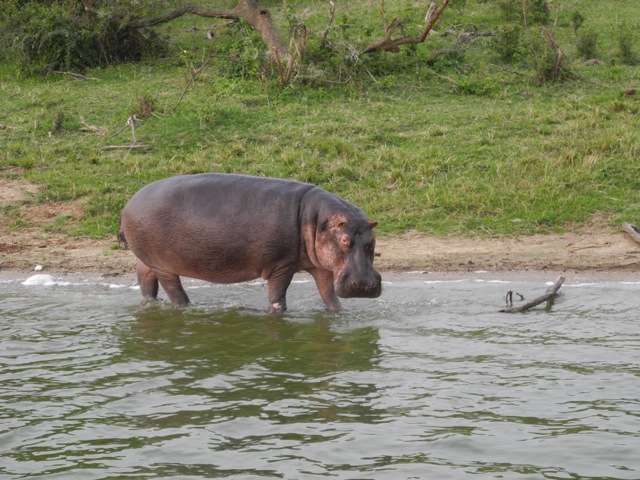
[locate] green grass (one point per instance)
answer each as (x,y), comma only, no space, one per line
(463,145)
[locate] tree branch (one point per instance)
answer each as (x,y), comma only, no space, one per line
(179,12)
(247,10)
(387,43)
(551,291)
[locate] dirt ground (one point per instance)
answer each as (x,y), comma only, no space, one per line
(592,247)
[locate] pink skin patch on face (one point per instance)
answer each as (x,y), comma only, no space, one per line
(333,243)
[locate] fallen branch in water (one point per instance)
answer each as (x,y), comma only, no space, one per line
(632,230)
(551,291)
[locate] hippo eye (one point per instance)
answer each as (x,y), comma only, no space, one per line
(369,247)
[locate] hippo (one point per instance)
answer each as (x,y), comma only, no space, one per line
(228,228)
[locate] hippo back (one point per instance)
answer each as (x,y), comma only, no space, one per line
(218,227)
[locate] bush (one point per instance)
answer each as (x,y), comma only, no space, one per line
(576,21)
(46,37)
(587,42)
(626,42)
(538,12)
(508,45)
(528,12)
(548,58)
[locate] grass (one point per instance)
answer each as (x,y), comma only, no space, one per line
(465,145)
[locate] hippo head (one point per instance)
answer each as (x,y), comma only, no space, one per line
(345,244)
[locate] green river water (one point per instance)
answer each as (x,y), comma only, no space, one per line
(428,381)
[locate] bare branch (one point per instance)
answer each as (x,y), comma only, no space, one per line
(193,73)
(549,294)
(427,17)
(332,16)
(179,12)
(247,10)
(387,43)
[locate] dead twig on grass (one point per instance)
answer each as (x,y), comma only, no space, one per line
(549,294)
(91,128)
(131,122)
(76,76)
(122,147)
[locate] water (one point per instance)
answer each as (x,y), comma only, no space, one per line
(426,382)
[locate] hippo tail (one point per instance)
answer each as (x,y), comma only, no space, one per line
(122,240)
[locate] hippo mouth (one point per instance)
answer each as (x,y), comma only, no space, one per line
(350,288)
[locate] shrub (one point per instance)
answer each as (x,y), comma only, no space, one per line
(46,37)
(576,21)
(528,12)
(538,12)
(626,41)
(548,58)
(587,41)
(508,45)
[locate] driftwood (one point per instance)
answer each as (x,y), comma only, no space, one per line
(632,230)
(549,294)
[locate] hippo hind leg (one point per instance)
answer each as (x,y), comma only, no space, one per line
(278,284)
(149,278)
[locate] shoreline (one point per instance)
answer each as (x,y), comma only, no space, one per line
(542,277)
(586,251)
(580,258)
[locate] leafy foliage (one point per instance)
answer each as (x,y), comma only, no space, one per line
(527,12)
(42,37)
(587,43)
(626,42)
(475,137)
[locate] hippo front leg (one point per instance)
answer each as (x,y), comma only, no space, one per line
(324,282)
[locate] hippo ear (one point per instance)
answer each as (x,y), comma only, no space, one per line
(373,225)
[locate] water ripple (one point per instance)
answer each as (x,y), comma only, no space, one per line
(421,383)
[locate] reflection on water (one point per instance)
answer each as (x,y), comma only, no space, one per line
(427,381)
